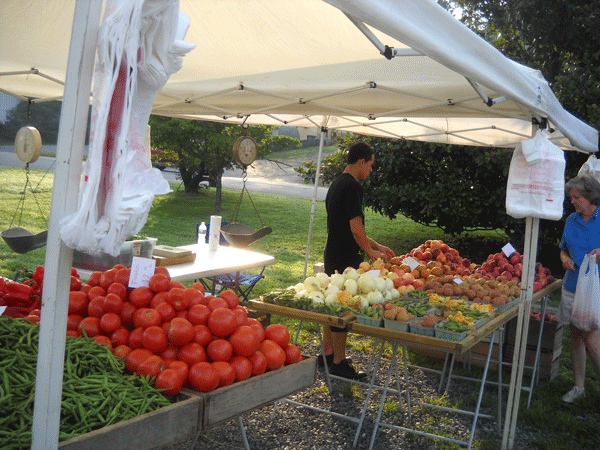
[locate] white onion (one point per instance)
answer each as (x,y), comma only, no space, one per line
(375,297)
(365,283)
(312,284)
(364,302)
(337,279)
(331,299)
(351,273)
(332,289)
(323,279)
(303,293)
(389,283)
(299,287)
(351,286)
(316,295)
(379,284)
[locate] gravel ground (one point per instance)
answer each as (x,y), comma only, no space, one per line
(300,428)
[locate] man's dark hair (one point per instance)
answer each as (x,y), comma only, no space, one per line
(359,151)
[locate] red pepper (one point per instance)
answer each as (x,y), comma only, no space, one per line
(3,286)
(19,290)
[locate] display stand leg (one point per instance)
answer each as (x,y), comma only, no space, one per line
(500,372)
(369,392)
(407,384)
(443,373)
(383,395)
(243,431)
(452,359)
(535,374)
(298,332)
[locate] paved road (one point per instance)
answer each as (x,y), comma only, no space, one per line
(263,176)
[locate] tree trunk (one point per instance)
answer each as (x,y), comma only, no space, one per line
(219,190)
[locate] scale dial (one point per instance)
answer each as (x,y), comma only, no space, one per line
(28,144)
(244,151)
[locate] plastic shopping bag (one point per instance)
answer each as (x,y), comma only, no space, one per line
(536,180)
(586,305)
(591,167)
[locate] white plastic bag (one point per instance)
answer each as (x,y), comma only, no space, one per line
(536,183)
(586,305)
(591,167)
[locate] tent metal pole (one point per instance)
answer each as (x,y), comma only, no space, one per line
(314,200)
(65,193)
(514,393)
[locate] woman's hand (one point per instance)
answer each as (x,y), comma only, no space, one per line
(596,253)
(568,263)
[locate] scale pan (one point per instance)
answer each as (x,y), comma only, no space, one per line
(239,235)
(22,241)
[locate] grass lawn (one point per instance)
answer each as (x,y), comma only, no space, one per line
(173,219)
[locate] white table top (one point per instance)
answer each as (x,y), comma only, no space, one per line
(224,260)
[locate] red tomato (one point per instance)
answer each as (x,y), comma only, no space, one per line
(109,322)
(217,302)
(122,351)
(38,312)
(278,333)
(176,284)
(181,314)
(122,276)
(191,354)
(181,331)
(75,283)
(120,336)
(242,367)
(178,300)
(198,314)
(257,327)
(155,339)
(222,322)
(107,278)
(94,279)
(159,297)
(135,358)
(118,289)
(230,297)
(78,302)
(135,338)
(33,318)
(225,371)
(166,311)
(240,315)
(244,341)
(118,267)
(73,321)
(259,363)
(95,307)
(219,350)
(150,367)
(202,335)
(127,313)
(159,282)
(274,354)
(73,333)
(169,354)
(112,303)
(292,354)
(181,368)
(103,340)
(193,296)
(90,326)
(146,317)
(163,270)
(169,382)
(96,291)
(85,288)
(199,287)
(141,297)
(203,377)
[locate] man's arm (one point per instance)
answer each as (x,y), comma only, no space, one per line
(372,249)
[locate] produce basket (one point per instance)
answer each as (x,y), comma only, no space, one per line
(371,321)
(396,325)
(419,329)
(500,309)
(449,335)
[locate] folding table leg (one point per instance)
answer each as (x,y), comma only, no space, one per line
(243,431)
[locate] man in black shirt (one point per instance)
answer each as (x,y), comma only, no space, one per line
(347,240)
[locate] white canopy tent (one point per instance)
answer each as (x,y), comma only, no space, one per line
(295,62)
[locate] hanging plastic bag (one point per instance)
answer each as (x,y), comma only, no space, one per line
(536,180)
(591,167)
(139,46)
(586,305)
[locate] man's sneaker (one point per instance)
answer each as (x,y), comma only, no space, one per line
(574,394)
(345,370)
(321,361)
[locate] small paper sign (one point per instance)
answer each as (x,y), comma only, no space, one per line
(412,262)
(458,280)
(508,250)
(142,270)
(2,309)
(373,273)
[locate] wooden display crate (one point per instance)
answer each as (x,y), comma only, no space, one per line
(228,402)
(155,429)
(549,365)
(552,335)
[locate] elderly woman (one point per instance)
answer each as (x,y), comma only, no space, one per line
(581,237)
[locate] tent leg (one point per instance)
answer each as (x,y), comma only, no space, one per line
(516,376)
(314,200)
(65,192)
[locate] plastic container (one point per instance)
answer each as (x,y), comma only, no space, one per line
(396,325)
(103,261)
(449,335)
(371,321)
(202,233)
(419,329)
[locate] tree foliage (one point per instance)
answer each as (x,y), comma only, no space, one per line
(201,149)
(44,116)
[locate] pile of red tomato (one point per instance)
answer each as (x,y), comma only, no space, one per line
(178,335)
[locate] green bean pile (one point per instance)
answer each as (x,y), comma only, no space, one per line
(96,392)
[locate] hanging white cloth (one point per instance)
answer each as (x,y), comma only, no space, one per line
(140,45)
